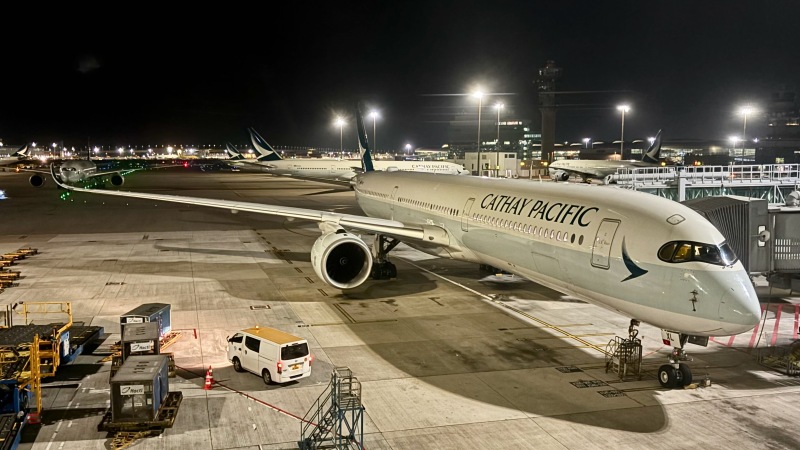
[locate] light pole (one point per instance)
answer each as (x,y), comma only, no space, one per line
(340,123)
(497,107)
(586,142)
(408,149)
(744,111)
(479,95)
(374,114)
(624,109)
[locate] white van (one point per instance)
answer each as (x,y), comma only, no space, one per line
(276,356)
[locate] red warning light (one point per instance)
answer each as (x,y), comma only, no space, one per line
(186,164)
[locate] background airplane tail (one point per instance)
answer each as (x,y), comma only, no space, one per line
(232,152)
(654,151)
(363,145)
(22,152)
(264,150)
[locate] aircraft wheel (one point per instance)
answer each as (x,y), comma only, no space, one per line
(667,376)
(686,374)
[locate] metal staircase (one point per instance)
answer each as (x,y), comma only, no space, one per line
(337,418)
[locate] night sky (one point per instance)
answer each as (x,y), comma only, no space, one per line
(139,75)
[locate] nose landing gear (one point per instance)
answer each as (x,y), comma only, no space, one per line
(676,373)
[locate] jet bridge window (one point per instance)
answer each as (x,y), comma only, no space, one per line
(679,252)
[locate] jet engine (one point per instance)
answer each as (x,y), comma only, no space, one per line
(560,175)
(37,180)
(116,179)
(341,259)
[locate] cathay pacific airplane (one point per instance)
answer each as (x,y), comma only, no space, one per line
(587,169)
(643,256)
(83,171)
(20,156)
(339,169)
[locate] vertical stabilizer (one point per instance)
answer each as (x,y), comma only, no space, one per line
(232,152)
(363,145)
(264,150)
(22,152)
(654,151)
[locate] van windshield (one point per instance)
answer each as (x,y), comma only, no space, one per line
(294,351)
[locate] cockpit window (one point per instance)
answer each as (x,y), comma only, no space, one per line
(679,252)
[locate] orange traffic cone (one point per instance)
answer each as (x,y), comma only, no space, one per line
(209,379)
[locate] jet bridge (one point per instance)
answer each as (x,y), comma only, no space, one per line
(765,237)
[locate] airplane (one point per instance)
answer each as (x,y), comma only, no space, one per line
(643,256)
(562,170)
(21,155)
(83,171)
(338,169)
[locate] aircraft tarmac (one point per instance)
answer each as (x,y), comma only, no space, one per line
(448,356)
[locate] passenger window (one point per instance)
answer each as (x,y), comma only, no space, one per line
(236,339)
(252,343)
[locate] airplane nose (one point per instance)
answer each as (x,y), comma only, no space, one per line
(740,309)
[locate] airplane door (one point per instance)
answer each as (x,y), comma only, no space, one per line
(601,250)
(465,214)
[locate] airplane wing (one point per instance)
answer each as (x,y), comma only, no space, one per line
(324,218)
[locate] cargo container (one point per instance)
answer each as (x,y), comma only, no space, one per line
(140,339)
(150,312)
(139,388)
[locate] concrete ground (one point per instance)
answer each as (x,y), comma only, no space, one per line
(448,357)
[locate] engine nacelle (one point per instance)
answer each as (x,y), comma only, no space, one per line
(37,180)
(342,260)
(116,179)
(560,175)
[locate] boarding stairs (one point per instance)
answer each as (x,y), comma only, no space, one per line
(337,418)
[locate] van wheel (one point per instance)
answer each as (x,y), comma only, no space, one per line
(267,377)
(237,365)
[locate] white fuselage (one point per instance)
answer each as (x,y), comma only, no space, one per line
(599,169)
(74,171)
(346,169)
(594,243)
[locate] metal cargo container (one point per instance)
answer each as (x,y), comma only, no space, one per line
(140,339)
(150,312)
(139,388)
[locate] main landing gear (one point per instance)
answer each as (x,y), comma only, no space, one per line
(676,373)
(382,269)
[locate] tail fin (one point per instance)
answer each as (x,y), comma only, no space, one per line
(22,152)
(654,151)
(232,152)
(264,150)
(363,145)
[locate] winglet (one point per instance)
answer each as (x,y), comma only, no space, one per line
(232,152)
(363,145)
(654,151)
(264,150)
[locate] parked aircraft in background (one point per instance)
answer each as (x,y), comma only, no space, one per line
(643,256)
(20,156)
(587,169)
(339,169)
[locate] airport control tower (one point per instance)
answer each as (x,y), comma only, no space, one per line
(546,83)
